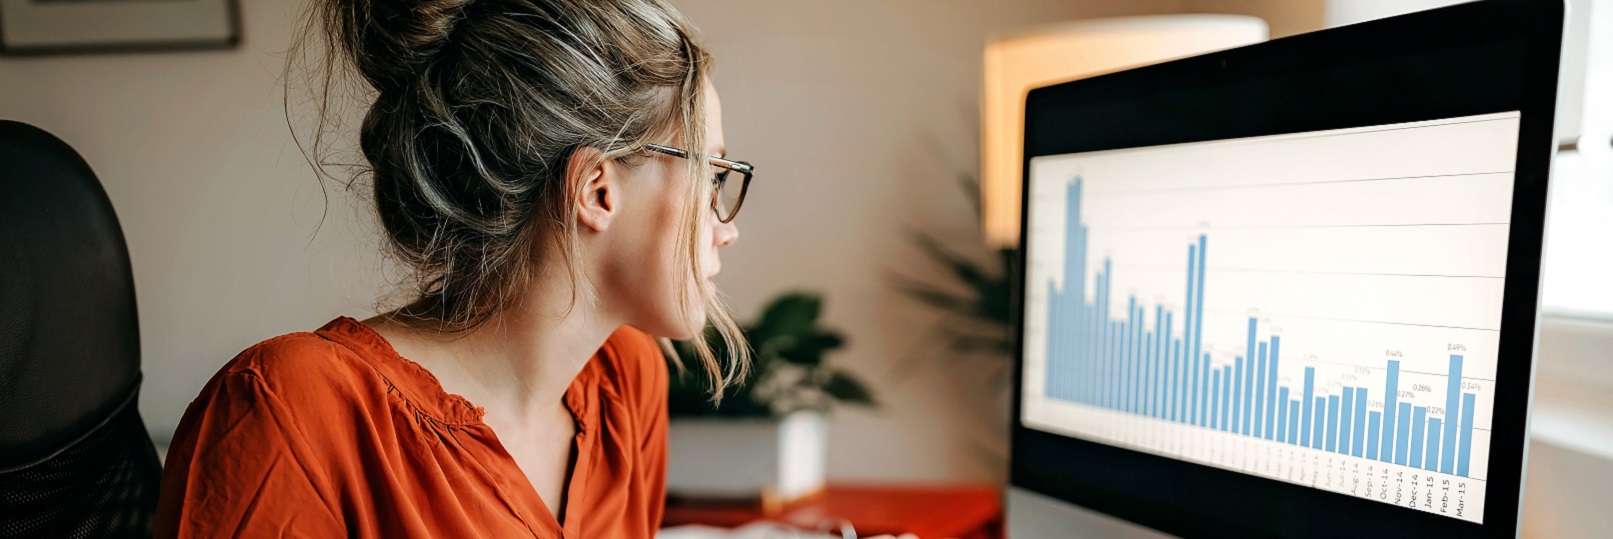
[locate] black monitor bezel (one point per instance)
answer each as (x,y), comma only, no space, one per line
(1456,61)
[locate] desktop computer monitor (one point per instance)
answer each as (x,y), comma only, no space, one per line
(1289,289)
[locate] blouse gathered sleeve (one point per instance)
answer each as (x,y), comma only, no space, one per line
(240,466)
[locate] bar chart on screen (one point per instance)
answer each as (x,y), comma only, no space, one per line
(1318,308)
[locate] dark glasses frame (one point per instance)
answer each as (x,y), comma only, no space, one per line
(746,170)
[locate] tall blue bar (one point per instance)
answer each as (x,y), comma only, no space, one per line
(1281,423)
(1197,415)
(1390,392)
(1419,423)
(1198,306)
(1360,415)
(1431,458)
(1109,341)
(1247,380)
(1293,421)
(1305,401)
(1465,449)
(1318,429)
(1272,402)
(1346,419)
(1372,434)
(1100,331)
(1453,390)
(1260,395)
(1402,432)
(1332,428)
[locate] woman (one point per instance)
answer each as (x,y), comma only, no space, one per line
(550,171)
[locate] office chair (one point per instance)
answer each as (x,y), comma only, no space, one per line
(75,458)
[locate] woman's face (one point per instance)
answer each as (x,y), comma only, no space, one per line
(650,270)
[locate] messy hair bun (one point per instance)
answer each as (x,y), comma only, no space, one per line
(478,105)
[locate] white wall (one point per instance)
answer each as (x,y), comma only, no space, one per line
(859,115)
(217,205)
(1342,12)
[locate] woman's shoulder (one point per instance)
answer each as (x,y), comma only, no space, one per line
(302,369)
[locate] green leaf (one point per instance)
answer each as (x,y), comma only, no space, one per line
(967,271)
(847,389)
(935,297)
(793,314)
(809,351)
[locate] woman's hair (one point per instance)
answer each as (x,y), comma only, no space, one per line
(477,107)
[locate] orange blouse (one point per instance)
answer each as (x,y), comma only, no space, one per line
(333,434)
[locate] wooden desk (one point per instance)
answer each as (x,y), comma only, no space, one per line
(928,511)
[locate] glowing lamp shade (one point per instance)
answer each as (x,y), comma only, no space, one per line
(1018,62)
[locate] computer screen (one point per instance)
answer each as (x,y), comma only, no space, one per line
(1291,289)
(1319,308)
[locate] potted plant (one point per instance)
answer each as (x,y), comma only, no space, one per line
(766,439)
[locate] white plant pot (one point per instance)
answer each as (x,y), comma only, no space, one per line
(773,461)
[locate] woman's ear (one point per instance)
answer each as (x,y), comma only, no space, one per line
(598,196)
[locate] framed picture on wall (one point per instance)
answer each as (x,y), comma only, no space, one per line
(67,26)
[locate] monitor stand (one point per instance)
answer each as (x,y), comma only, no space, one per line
(1034,516)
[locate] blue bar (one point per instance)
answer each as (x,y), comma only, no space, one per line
(1187,337)
(1305,401)
(1238,391)
(1151,382)
(1178,414)
(1464,450)
(1247,380)
(1260,400)
(1390,393)
(1088,357)
(1226,398)
(1346,420)
(1419,423)
(1332,428)
(1139,355)
(1357,439)
(1198,306)
(1100,344)
(1453,389)
(1402,432)
(1431,459)
(1054,358)
(1204,364)
(1281,434)
(1271,389)
(1373,424)
(1128,356)
(1293,421)
(1318,432)
(1109,341)
(1161,361)
(1174,390)
(1215,419)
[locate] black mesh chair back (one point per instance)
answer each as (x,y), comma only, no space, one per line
(75,458)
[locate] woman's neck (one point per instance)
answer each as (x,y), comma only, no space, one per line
(519,362)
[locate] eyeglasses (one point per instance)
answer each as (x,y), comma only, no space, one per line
(726,195)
